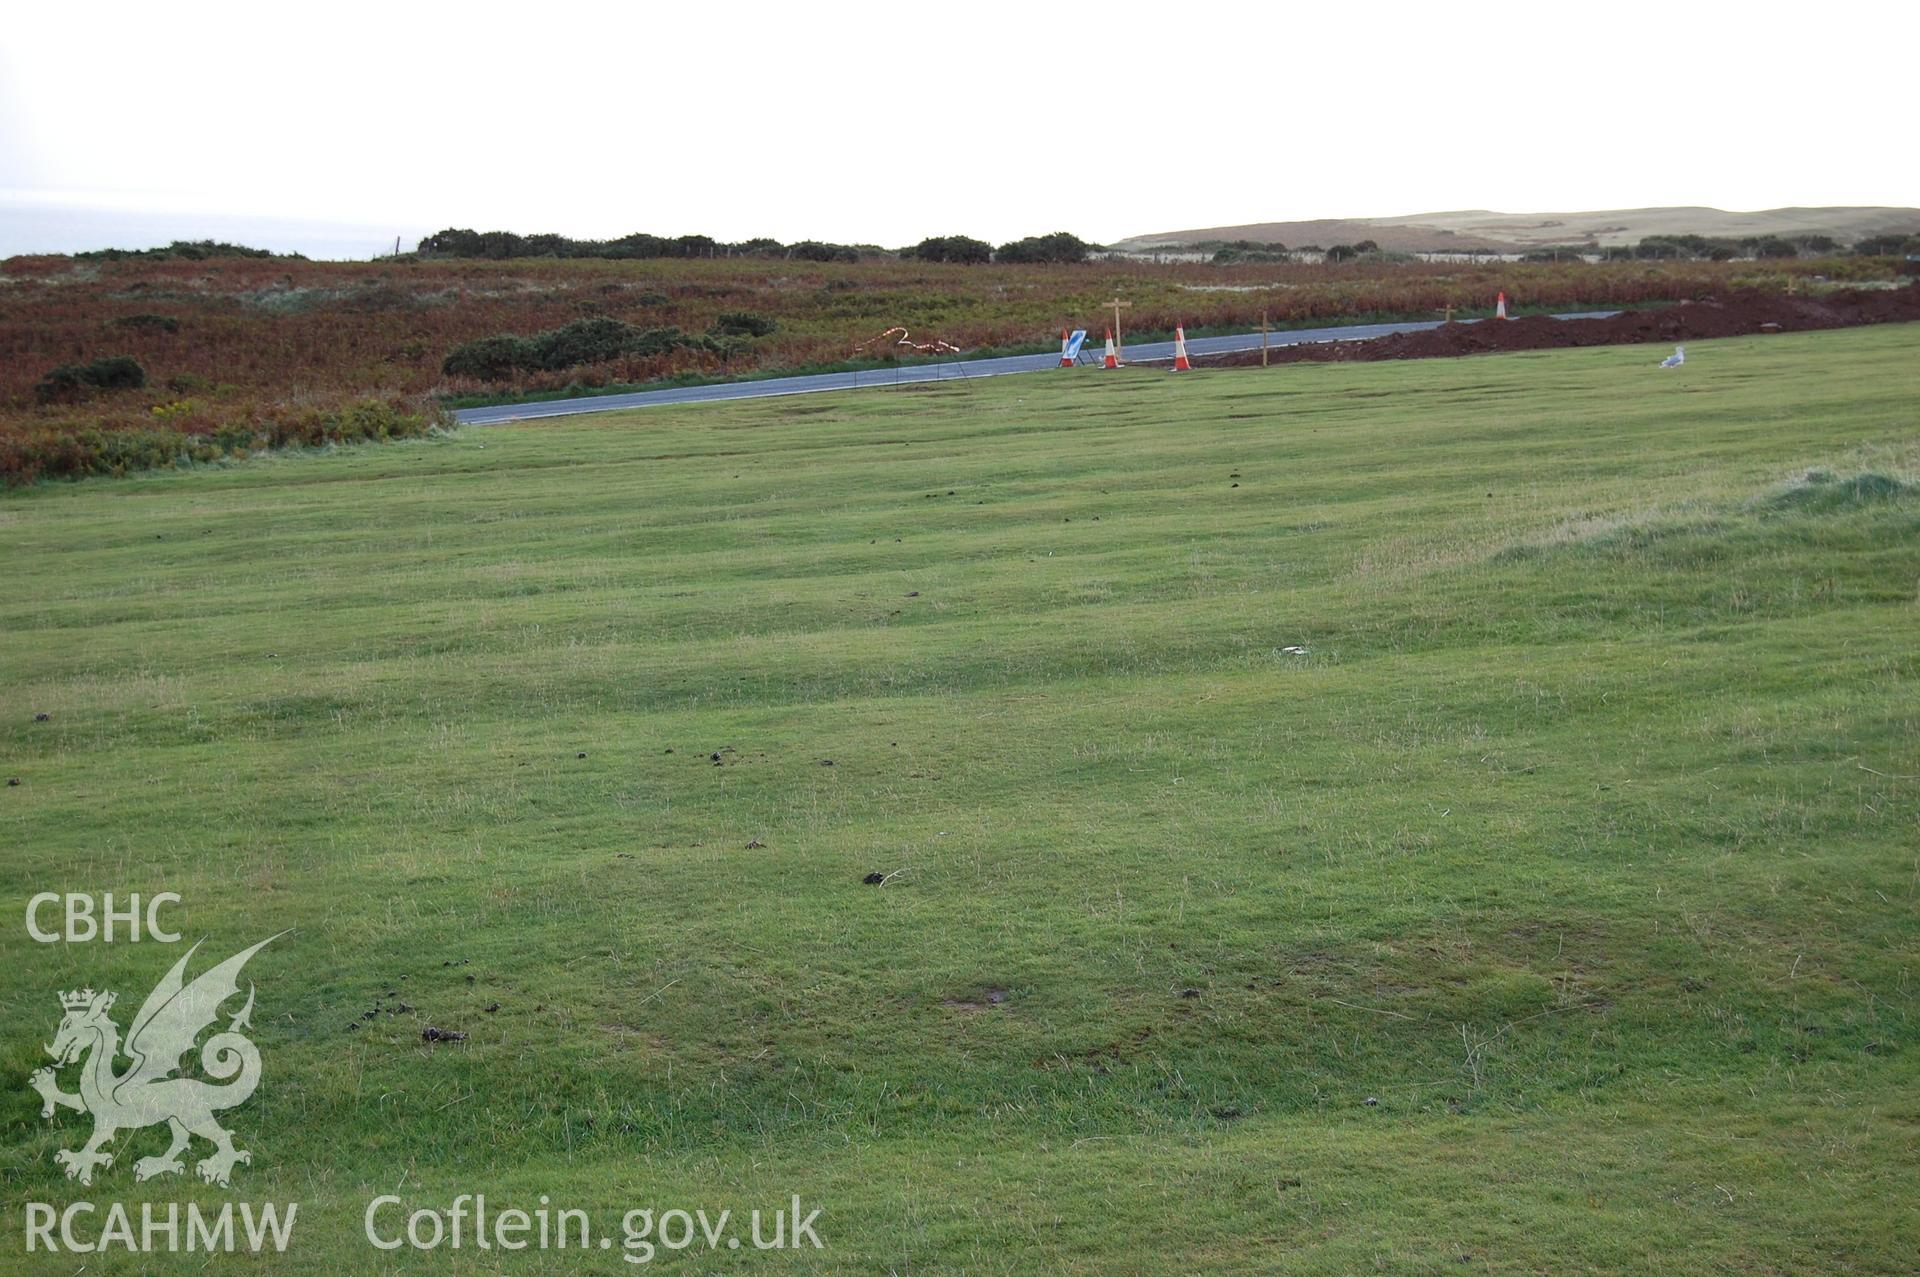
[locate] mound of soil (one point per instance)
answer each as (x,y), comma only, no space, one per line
(1736,315)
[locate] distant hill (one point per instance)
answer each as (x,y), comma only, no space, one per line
(1480,230)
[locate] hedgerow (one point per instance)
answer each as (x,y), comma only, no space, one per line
(503,246)
(198,250)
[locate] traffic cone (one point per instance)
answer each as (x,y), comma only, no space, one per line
(1180,363)
(1500,307)
(1064,361)
(1112,360)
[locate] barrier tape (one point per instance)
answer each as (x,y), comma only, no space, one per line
(935,347)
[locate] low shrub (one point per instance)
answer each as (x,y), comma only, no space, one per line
(1251,256)
(1887,245)
(148,323)
(584,341)
(198,250)
(1059,247)
(744,323)
(74,381)
(489,358)
(951,248)
(812,250)
(505,245)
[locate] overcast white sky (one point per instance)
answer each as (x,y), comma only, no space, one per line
(886,123)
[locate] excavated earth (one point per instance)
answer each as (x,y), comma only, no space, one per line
(1735,315)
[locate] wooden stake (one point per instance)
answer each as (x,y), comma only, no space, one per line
(1119,348)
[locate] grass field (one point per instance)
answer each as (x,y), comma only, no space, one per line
(1581,837)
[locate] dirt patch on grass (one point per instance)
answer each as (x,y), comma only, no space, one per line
(1737,314)
(991,997)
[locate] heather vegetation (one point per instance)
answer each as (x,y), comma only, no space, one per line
(86,450)
(238,350)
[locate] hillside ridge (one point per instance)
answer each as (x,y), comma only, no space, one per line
(1486,230)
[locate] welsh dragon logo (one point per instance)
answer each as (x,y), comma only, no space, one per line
(146,1093)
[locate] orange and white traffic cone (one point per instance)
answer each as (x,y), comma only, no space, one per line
(1112,360)
(1065,362)
(1180,363)
(1500,306)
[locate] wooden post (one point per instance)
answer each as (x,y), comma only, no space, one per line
(1263,339)
(1119,347)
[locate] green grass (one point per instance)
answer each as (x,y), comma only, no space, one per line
(1582,837)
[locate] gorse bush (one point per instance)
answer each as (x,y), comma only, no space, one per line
(74,381)
(1058,247)
(584,341)
(812,250)
(1722,249)
(489,358)
(505,245)
(1245,251)
(951,248)
(1888,245)
(744,323)
(198,250)
(148,323)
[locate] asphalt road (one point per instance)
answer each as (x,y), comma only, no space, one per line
(909,374)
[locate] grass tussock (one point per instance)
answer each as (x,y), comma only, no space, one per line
(1824,492)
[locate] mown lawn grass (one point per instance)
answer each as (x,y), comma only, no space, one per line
(1581,837)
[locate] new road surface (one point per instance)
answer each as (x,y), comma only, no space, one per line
(907,374)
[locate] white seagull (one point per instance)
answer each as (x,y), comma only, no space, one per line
(1678,357)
